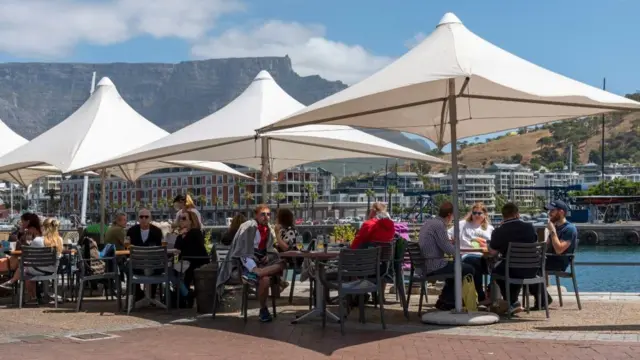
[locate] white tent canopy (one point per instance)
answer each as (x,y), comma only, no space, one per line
(103,127)
(454,85)
(229,135)
(495,90)
(24,177)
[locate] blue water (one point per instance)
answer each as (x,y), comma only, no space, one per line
(606,278)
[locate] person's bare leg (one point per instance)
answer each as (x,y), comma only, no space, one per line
(4,265)
(263,291)
(269,270)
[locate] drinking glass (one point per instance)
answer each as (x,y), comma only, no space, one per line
(127,242)
(299,243)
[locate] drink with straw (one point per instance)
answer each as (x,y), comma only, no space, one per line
(299,244)
(320,242)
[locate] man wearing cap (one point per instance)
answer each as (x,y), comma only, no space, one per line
(562,239)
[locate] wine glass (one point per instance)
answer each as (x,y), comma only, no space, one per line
(299,244)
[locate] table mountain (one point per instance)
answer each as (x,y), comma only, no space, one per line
(36,96)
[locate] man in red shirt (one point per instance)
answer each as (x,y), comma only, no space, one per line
(378,228)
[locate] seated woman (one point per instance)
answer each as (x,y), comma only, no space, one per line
(286,232)
(475,232)
(237,220)
(378,228)
(20,237)
(50,239)
(191,246)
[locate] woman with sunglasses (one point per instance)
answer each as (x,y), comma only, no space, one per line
(475,233)
(191,246)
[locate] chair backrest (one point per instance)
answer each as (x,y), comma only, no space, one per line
(526,255)
(386,249)
(359,263)
(38,256)
(415,255)
(148,257)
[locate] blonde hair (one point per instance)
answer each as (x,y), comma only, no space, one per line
(378,207)
(193,219)
(188,202)
(479,206)
(51,236)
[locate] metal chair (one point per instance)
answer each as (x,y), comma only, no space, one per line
(524,256)
(566,275)
(111,276)
(296,270)
(148,260)
(418,261)
(355,268)
(34,258)
(387,258)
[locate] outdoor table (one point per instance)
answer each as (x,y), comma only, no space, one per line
(147,300)
(317,257)
(19,252)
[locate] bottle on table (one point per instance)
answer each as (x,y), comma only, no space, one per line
(299,244)
(320,244)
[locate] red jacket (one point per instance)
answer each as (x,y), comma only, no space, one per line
(375,229)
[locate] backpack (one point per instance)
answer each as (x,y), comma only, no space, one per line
(91,257)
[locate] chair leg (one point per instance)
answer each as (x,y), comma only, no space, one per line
(361,308)
(167,296)
(118,292)
(80,296)
(381,300)
(311,293)
(409,291)
(21,294)
(293,284)
(274,293)
(55,292)
(423,292)
(245,300)
(525,292)
(559,290)
(343,318)
(129,296)
(546,300)
(508,291)
(324,309)
(575,289)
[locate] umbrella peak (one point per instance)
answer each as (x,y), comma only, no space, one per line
(263,75)
(105,81)
(449,18)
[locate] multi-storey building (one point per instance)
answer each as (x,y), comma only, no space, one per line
(551,180)
(474,186)
(217,196)
(510,181)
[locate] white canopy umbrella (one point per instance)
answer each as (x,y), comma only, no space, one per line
(229,135)
(456,84)
(103,127)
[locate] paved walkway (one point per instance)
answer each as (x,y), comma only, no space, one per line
(229,339)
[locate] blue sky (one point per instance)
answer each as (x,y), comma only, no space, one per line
(340,40)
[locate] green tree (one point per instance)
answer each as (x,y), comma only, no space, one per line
(314,198)
(248,198)
(279,197)
(391,190)
(295,204)
(500,201)
(202,201)
(370,194)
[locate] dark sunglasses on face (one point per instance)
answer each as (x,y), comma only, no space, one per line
(184,218)
(477,213)
(143,216)
(265,214)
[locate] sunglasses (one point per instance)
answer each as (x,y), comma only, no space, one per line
(477,213)
(184,218)
(265,214)
(143,216)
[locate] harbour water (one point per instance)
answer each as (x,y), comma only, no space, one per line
(607,278)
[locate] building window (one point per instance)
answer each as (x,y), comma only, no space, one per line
(164,182)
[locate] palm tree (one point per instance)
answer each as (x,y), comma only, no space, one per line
(248,197)
(216,201)
(370,193)
(52,194)
(202,200)
(309,188)
(124,206)
(136,206)
(391,190)
(314,197)
(295,204)
(162,204)
(279,197)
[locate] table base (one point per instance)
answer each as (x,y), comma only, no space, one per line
(316,313)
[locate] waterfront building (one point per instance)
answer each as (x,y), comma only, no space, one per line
(475,186)
(509,181)
(551,180)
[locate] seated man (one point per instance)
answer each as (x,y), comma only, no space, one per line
(378,228)
(512,230)
(561,240)
(435,243)
(145,233)
(253,245)
(116,232)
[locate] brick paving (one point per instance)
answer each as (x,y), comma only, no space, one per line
(228,338)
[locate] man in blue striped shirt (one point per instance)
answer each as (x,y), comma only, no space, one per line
(435,244)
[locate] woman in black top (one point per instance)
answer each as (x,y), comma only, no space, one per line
(286,232)
(191,245)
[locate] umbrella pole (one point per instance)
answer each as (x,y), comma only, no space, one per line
(264,143)
(453,121)
(103,200)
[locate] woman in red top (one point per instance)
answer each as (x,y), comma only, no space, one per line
(378,228)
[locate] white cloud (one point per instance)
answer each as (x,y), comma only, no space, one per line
(51,28)
(415,40)
(310,51)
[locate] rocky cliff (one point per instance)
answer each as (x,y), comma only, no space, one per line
(36,96)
